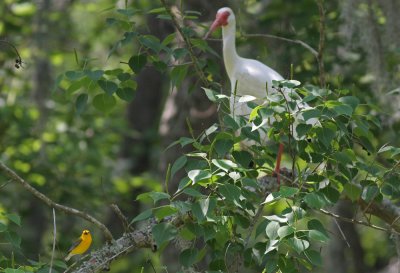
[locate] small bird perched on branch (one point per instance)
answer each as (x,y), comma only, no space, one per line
(81,245)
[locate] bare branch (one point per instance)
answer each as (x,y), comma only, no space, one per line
(384,210)
(16,178)
(354,221)
(121,216)
(54,241)
(299,42)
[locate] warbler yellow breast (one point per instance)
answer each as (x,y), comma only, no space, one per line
(81,245)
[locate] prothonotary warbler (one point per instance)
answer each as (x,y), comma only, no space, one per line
(81,245)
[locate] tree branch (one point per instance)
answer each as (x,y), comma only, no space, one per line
(354,221)
(16,178)
(129,242)
(299,42)
(321,46)
(138,239)
(18,61)
(188,44)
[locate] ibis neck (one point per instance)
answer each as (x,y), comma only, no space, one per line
(229,48)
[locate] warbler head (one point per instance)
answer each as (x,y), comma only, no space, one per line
(85,233)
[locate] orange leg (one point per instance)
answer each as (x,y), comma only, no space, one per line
(278,164)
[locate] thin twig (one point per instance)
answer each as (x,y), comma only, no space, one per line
(341,232)
(16,178)
(321,45)
(5,184)
(54,241)
(188,44)
(299,42)
(18,61)
(121,216)
(354,221)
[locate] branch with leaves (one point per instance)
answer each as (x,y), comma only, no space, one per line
(188,44)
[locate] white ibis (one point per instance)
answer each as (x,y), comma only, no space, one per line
(247,76)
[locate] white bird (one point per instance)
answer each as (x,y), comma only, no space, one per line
(247,76)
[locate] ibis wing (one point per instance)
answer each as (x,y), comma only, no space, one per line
(253,77)
(75,244)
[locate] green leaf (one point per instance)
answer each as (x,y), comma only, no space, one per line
(285,231)
(326,135)
(314,257)
(188,257)
(192,192)
(178,164)
(81,102)
(178,74)
(137,62)
(224,164)
(104,102)
(352,191)
(285,191)
(369,193)
(155,196)
(180,53)
(351,101)
(298,245)
(315,200)
(124,76)
(3,227)
(231,123)
(254,112)
(94,75)
(203,207)
(108,86)
(223,146)
(272,230)
(346,156)
(12,270)
(163,233)
(230,192)
(157,10)
(143,216)
(76,85)
(271,266)
(340,108)
(199,175)
(16,219)
(213,95)
(318,236)
(164,211)
(244,158)
(302,129)
(126,93)
(331,194)
(151,42)
(74,75)
(13,238)
(315,224)
(271,245)
(310,114)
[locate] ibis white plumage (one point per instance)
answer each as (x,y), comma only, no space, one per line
(247,76)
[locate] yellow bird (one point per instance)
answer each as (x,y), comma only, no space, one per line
(81,245)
